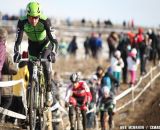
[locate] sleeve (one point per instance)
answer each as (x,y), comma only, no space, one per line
(68,94)
(48,31)
(19,35)
(88,93)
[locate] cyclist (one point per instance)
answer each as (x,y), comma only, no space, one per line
(38,29)
(106,104)
(78,93)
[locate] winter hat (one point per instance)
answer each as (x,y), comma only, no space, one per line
(117,53)
(134,52)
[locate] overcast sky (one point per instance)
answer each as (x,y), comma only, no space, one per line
(144,12)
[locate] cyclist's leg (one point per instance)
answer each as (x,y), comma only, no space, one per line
(71,115)
(46,67)
(110,117)
(33,51)
(84,119)
(111,113)
(102,119)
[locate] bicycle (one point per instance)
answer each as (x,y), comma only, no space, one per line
(36,95)
(77,118)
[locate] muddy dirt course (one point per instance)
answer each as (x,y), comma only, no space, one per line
(147,107)
(146,112)
(150,114)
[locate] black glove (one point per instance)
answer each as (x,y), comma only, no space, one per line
(51,57)
(16,57)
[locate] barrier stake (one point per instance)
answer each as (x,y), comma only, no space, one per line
(133,96)
(151,77)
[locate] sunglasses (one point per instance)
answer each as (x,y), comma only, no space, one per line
(34,17)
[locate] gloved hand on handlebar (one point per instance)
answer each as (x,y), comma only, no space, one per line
(16,57)
(51,57)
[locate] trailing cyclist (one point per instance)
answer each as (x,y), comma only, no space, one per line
(77,94)
(38,29)
(106,105)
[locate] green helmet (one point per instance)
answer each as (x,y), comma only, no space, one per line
(33,9)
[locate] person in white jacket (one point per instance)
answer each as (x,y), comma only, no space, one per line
(117,64)
(132,62)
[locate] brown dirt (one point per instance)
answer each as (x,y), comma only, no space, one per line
(147,107)
(85,66)
(146,112)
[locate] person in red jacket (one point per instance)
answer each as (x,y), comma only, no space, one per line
(139,38)
(78,93)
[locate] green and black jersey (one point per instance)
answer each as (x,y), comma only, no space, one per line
(37,34)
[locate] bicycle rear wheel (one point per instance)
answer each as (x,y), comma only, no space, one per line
(32,106)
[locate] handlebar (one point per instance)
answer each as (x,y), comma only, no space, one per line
(27,59)
(41,60)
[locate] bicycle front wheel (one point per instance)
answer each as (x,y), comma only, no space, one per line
(32,106)
(41,109)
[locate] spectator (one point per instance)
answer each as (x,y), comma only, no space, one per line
(158,45)
(145,48)
(112,41)
(154,43)
(72,48)
(63,48)
(6,71)
(68,21)
(17,104)
(117,64)
(124,24)
(124,43)
(93,45)
(98,23)
(99,73)
(87,47)
(108,23)
(83,22)
(133,62)
(110,81)
(99,44)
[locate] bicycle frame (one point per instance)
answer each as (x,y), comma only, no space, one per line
(38,77)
